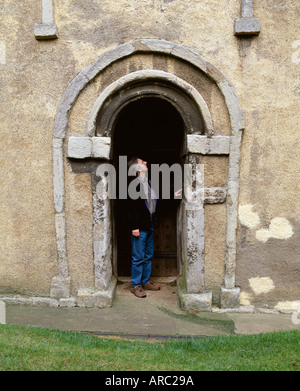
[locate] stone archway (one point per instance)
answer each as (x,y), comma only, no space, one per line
(204,142)
(149,126)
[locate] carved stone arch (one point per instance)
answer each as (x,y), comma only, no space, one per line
(138,84)
(203,142)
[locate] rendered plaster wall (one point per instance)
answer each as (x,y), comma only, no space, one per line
(268,267)
(265,73)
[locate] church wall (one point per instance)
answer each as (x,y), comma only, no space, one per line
(264,70)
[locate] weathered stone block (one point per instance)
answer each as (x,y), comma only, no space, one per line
(45,31)
(204,145)
(60,226)
(193,301)
(67,302)
(101,147)
(45,302)
(60,287)
(80,147)
(214,195)
(97,298)
(230,298)
(17,300)
(83,147)
(194,250)
(196,301)
(247,26)
(58,175)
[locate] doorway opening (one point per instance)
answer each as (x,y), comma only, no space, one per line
(152,129)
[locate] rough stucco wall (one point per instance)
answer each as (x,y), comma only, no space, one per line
(268,86)
(28,104)
(36,73)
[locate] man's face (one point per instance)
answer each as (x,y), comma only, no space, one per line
(143,164)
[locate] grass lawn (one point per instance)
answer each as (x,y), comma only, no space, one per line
(36,349)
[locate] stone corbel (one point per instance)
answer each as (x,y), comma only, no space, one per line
(47,29)
(247,24)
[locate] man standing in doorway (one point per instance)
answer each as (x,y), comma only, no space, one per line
(141,217)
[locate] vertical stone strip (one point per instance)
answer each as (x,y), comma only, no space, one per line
(247,8)
(47,29)
(58,175)
(194,228)
(60,286)
(232,207)
(47,11)
(60,226)
(230,296)
(194,250)
(247,24)
(2,312)
(102,238)
(2,53)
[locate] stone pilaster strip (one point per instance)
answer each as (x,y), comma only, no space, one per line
(247,24)
(47,29)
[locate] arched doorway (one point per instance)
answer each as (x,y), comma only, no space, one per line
(152,129)
(193,99)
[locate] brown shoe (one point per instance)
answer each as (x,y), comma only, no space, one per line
(151,287)
(138,291)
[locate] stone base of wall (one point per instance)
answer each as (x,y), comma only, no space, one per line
(194,302)
(85,298)
(71,302)
(229,299)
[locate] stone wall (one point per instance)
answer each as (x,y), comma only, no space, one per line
(264,69)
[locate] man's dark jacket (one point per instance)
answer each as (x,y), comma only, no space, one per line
(139,216)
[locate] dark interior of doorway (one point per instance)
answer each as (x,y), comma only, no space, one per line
(152,129)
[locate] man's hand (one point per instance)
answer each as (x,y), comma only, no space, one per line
(178,193)
(136,232)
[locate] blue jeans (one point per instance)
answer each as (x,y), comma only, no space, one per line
(141,257)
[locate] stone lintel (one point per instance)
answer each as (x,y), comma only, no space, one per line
(45,31)
(85,147)
(247,26)
(215,145)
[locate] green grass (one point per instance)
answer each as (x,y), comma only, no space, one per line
(36,349)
